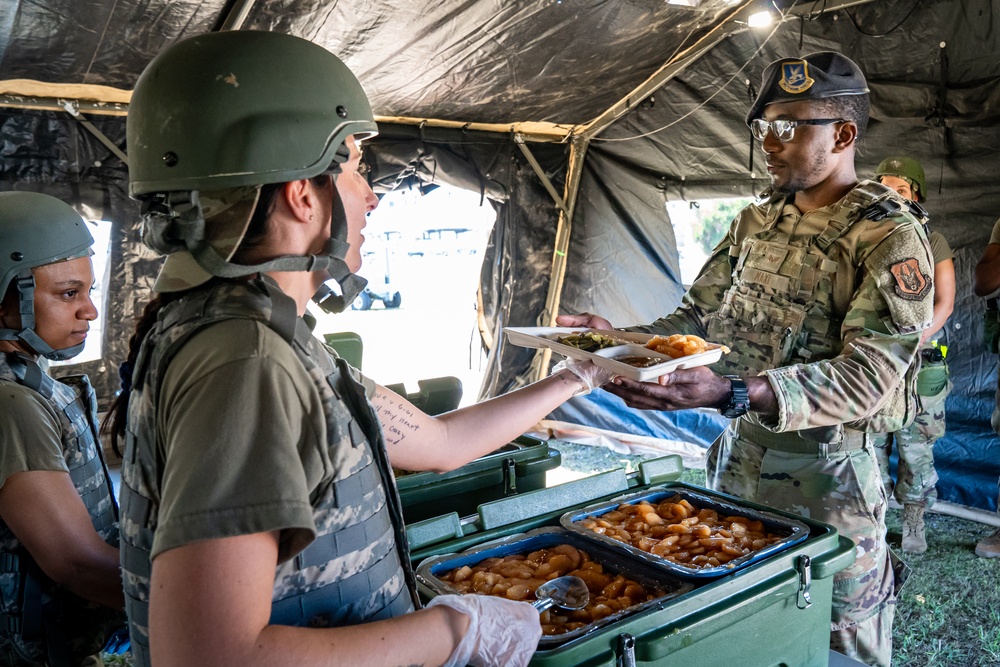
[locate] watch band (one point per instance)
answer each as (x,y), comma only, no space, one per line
(739,398)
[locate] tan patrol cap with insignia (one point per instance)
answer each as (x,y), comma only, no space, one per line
(813,77)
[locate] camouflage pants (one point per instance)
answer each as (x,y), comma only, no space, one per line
(843,489)
(916,477)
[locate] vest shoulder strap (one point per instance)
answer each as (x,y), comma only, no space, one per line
(864,201)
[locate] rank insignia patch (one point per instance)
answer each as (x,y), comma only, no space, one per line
(795,77)
(911,284)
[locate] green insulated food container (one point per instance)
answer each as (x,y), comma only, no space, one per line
(773,611)
(515,468)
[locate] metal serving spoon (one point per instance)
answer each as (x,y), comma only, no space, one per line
(566,592)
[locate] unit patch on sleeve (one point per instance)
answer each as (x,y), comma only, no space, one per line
(910,282)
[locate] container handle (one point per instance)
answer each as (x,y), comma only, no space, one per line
(529,505)
(626,650)
(804,565)
(509,477)
(432,531)
(659,471)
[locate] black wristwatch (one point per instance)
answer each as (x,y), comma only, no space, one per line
(739,398)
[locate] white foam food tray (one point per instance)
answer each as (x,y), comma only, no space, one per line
(633,344)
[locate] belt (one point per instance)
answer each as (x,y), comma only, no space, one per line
(793,443)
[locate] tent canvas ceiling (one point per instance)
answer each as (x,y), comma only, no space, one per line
(933,69)
(485,61)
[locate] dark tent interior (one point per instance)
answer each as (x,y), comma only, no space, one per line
(578,121)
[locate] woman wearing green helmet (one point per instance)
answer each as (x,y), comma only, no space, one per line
(916,478)
(60,584)
(257,492)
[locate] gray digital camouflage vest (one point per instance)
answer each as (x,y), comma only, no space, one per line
(358,568)
(782,308)
(41,622)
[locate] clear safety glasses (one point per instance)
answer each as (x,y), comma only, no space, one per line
(784,130)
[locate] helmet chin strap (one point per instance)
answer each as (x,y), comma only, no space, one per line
(351,285)
(26,306)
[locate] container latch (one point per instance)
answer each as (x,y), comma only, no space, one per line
(626,650)
(509,477)
(804,566)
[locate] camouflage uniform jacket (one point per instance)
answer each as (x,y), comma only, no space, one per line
(43,623)
(357,568)
(828,305)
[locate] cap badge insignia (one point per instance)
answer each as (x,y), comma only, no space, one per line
(795,77)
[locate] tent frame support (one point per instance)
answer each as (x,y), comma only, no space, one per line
(73,110)
(236,15)
(557,275)
(542,176)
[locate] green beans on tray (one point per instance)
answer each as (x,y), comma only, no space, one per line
(589,341)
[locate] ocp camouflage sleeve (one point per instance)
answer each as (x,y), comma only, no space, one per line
(881,332)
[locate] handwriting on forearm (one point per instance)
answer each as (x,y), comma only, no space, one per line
(397,416)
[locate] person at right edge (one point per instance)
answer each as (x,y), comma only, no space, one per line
(822,290)
(986,284)
(916,478)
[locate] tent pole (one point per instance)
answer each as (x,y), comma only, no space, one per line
(237,14)
(519,140)
(73,110)
(577,151)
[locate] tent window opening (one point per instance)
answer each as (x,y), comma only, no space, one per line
(699,226)
(93,349)
(422,257)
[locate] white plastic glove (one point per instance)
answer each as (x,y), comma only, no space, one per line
(589,373)
(501,632)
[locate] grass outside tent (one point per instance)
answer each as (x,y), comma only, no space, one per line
(948,614)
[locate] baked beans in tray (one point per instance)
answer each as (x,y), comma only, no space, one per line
(691,534)
(514,566)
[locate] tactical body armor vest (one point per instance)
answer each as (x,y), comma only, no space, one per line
(358,514)
(786,306)
(41,622)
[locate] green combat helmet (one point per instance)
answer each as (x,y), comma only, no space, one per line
(223,111)
(36,230)
(906,168)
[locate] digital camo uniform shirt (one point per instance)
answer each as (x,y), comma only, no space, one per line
(234,431)
(50,426)
(916,477)
(828,306)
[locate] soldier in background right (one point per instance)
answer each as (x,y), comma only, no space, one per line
(916,478)
(986,283)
